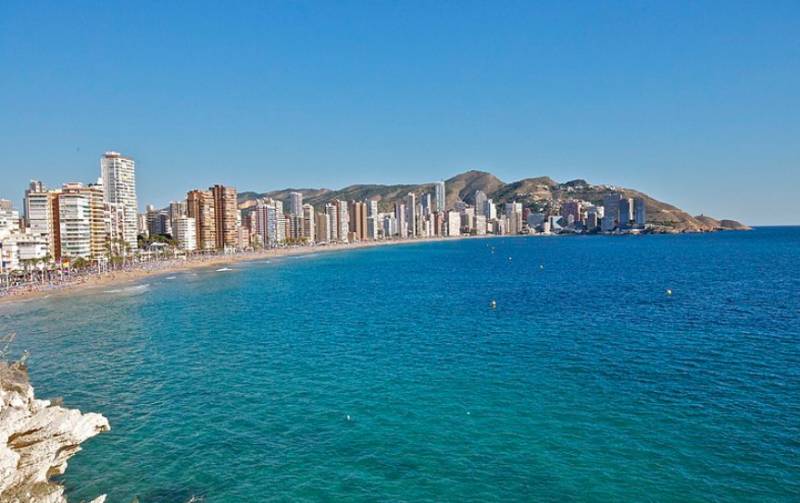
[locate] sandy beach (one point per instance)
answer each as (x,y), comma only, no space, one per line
(159,268)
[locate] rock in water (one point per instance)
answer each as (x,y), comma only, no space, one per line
(36,440)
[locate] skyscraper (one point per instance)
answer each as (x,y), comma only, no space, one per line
(358,219)
(119,187)
(426,202)
(200,207)
(400,217)
(625,211)
(296,203)
(440,196)
(308,223)
(640,211)
(372,208)
(321,229)
(411,214)
(270,222)
(225,209)
(453,223)
(342,220)
(610,212)
(480,203)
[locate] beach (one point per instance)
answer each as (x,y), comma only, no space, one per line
(161,267)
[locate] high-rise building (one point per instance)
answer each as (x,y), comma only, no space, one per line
(225,218)
(592,219)
(490,210)
(296,203)
(400,217)
(308,223)
(119,187)
(610,220)
(480,202)
(9,219)
(357,213)
(38,212)
(75,225)
(453,223)
(426,205)
(176,210)
(270,222)
(373,228)
(186,233)
(331,213)
(439,192)
(342,220)
(200,207)
(34,187)
(640,212)
(480,225)
(321,230)
(372,208)
(98,237)
(294,228)
(571,208)
(411,214)
(390,227)
(625,211)
(157,221)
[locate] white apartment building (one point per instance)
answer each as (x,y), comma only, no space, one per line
(186,233)
(295,203)
(119,187)
(453,223)
(75,225)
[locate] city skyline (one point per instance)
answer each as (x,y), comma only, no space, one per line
(313,95)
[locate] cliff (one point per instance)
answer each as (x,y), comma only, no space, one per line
(37,437)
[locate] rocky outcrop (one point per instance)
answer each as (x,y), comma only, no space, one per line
(37,437)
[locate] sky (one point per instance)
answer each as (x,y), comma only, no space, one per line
(695,103)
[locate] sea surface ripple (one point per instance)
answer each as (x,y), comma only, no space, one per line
(385,374)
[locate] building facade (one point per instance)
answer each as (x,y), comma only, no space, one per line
(118,175)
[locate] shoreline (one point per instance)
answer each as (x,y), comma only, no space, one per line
(165,267)
(173,266)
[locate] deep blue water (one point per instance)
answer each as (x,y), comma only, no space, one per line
(586,383)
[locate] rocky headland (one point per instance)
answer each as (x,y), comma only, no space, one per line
(37,437)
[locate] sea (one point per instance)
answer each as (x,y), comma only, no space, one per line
(581,368)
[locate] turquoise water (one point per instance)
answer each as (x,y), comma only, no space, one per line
(586,383)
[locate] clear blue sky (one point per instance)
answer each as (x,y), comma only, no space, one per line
(696,103)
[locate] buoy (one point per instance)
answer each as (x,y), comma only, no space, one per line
(469,413)
(669,292)
(541,266)
(348,417)
(493,304)
(509,258)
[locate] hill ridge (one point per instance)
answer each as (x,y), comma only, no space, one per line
(541,194)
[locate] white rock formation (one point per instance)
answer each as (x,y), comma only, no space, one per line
(36,439)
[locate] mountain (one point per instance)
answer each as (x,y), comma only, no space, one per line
(541,194)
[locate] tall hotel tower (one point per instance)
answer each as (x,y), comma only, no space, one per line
(440,196)
(119,187)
